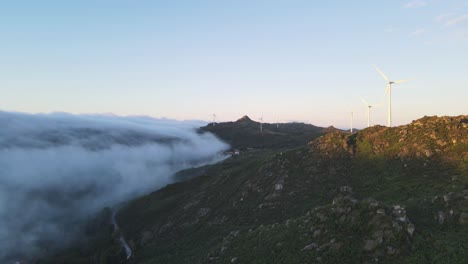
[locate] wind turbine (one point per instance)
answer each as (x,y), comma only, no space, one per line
(352,117)
(214,119)
(369,106)
(388,91)
(261,124)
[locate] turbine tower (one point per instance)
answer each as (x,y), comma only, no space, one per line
(369,106)
(261,124)
(214,119)
(352,117)
(388,91)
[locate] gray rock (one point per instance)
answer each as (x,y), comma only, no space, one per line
(203,211)
(317,233)
(463,218)
(310,246)
(410,229)
(370,245)
(278,187)
(441,217)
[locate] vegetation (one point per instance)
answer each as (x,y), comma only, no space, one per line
(245,134)
(391,195)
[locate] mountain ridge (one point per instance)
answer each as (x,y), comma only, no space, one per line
(246,134)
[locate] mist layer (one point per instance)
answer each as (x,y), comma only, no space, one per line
(57,169)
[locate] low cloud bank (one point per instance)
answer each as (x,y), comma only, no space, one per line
(57,169)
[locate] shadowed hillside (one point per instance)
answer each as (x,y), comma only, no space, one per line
(386,195)
(245,133)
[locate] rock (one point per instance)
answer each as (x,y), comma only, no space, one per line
(336,246)
(373,204)
(389,235)
(391,250)
(310,246)
(278,187)
(223,249)
(370,245)
(346,189)
(342,219)
(448,197)
(322,217)
(203,211)
(463,220)
(378,235)
(317,233)
(410,229)
(233,260)
(441,217)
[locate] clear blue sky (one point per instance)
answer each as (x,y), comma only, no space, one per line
(287,59)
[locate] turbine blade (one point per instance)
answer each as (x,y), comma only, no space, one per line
(387,89)
(364,101)
(402,81)
(381,73)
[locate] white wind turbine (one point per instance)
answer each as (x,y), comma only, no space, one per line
(352,118)
(214,119)
(369,106)
(388,91)
(261,124)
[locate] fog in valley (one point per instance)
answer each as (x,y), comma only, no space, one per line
(56,170)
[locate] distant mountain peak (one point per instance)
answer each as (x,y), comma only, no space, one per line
(330,129)
(244,119)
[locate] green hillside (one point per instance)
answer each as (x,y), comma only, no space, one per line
(386,195)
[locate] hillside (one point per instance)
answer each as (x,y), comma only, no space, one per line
(245,134)
(386,195)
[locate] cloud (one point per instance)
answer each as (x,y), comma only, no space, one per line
(419,32)
(415,3)
(57,169)
(456,20)
(445,16)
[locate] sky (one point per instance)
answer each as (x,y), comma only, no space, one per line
(285,60)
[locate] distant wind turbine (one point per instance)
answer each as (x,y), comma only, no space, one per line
(388,91)
(369,106)
(352,117)
(261,124)
(214,119)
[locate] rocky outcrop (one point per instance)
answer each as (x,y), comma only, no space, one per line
(428,138)
(451,208)
(372,230)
